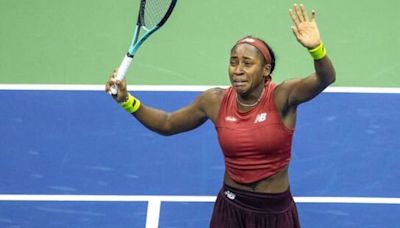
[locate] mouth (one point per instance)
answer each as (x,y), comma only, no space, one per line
(238,82)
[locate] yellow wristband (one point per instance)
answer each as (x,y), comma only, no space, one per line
(131,105)
(318,52)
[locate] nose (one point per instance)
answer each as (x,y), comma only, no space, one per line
(238,69)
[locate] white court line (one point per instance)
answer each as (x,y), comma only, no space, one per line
(62,87)
(164,198)
(345,200)
(154,201)
(153,213)
(105,198)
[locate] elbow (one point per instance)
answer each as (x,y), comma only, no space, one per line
(332,74)
(162,126)
(333,79)
(165,133)
(329,79)
(162,132)
(326,80)
(166,130)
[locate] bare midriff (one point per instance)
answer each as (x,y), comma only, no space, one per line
(274,184)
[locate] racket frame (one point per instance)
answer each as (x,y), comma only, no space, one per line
(137,42)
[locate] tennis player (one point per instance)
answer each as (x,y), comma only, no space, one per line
(255,120)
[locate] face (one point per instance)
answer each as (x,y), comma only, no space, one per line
(247,70)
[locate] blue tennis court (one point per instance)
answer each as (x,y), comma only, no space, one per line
(75,159)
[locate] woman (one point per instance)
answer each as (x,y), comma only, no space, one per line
(255,121)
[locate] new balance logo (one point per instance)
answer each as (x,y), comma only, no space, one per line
(261,117)
(230,195)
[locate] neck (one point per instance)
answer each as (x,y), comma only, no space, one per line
(250,102)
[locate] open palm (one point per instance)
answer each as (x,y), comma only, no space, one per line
(305,29)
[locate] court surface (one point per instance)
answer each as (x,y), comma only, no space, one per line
(74,159)
(70,157)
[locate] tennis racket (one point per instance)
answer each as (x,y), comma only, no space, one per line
(152,16)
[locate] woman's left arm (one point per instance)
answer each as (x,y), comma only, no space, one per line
(307,34)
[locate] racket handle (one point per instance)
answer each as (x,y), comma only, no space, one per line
(123,68)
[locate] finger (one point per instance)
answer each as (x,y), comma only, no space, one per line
(113,74)
(298,13)
(303,12)
(313,15)
(293,16)
(109,84)
(117,84)
(121,86)
(112,82)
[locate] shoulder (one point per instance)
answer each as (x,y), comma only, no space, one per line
(212,95)
(210,100)
(209,96)
(285,87)
(215,91)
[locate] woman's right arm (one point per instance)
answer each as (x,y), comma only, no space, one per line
(168,123)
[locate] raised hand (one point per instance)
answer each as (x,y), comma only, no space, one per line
(305,29)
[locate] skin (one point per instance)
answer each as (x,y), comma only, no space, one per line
(247,73)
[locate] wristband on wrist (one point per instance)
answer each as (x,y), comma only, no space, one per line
(131,105)
(318,52)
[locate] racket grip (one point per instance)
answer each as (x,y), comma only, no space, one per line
(123,68)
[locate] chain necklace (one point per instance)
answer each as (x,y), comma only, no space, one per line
(251,105)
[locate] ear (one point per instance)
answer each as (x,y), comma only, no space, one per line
(267,70)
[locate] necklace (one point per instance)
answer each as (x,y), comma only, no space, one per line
(251,105)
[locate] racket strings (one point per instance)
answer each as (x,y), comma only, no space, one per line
(155,11)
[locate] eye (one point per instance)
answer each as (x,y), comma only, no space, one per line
(233,62)
(248,63)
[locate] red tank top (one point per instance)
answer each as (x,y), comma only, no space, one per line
(256,144)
